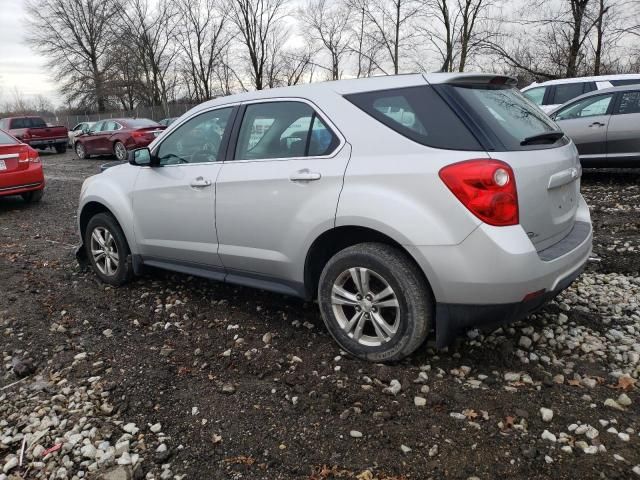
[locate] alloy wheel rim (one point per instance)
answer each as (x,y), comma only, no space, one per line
(104,251)
(80,150)
(365,306)
(121,152)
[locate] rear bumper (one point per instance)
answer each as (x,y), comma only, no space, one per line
(23,181)
(48,142)
(485,279)
(453,319)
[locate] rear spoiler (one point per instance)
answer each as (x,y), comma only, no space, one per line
(479,79)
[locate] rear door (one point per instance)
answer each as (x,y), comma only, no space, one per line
(279,190)
(623,134)
(586,122)
(547,170)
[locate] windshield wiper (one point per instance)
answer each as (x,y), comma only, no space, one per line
(546,137)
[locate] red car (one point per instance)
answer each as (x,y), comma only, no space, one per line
(116,136)
(20,169)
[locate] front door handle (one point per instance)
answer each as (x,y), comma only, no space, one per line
(597,124)
(200,183)
(304,176)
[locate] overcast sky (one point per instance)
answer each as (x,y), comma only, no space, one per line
(19,66)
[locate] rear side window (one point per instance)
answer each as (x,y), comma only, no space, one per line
(419,114)
(629,103)
(504,112)
(6,139)
(567,91)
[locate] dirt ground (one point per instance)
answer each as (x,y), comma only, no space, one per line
(286,410)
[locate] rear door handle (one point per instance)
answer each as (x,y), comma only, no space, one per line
(200,183)
(304,176)
(597,124)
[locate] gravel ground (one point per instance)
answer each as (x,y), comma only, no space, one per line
(176,377)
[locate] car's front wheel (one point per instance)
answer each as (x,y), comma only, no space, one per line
(81,151)
(375,302)
(107,250)
(120,151)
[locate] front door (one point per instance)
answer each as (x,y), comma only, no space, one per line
(278,192)
(174,202)
(585,122)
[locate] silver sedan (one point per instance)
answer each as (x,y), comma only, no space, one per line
(604,125)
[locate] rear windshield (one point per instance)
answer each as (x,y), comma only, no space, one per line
(6,139)
(27,123)
(419,114)
(506,113)
(140,123)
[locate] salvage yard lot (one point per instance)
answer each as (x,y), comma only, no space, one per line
(228,382)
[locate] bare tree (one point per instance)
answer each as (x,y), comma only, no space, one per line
(390,25)
(74,36)
(256,21)
(363,45)
(203,37)
(149,33)
(328,23)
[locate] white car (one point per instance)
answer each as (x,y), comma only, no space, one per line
(553,93)
(77,130)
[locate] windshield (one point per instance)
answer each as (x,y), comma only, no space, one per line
(506,112)
(141,123)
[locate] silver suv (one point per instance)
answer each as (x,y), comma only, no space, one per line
(402,204)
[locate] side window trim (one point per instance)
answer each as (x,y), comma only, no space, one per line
(317,112)
(224,141)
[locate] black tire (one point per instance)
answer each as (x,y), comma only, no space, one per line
(414,307)
(33,196)
(120,151)
(61,148)
(124,271)
(81,151)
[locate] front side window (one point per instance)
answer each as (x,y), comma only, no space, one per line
(567,91)
(283,130)
(536,95)
(198,140)
(629,103)
(589,107)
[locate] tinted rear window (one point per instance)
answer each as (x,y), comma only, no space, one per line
(504,112)
(6,139)
(419,114)
(27,123)
(567,91)
(618,83)
(140,123)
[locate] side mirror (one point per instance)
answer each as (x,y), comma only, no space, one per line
(140,157)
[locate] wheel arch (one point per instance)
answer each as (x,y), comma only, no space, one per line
(338,238)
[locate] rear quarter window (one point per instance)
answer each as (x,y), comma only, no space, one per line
(417,113)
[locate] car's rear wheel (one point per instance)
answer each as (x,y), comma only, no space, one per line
(81,151)
(61,148)
(375,302)
(107,250)
(120,151)
(33,196)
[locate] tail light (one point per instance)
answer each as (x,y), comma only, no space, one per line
(28,154)
(139,134)
(486,187)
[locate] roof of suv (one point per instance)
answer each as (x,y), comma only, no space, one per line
(357,85)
